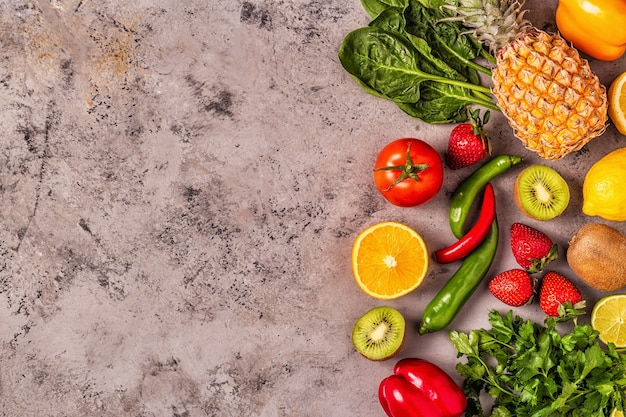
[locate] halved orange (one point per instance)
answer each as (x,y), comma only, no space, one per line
(617,102)
(389,260)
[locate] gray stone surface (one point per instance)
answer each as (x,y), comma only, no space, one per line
(180,186)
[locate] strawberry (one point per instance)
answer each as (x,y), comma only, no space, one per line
(532,249)
(513,287)
(556,290)
(469,142)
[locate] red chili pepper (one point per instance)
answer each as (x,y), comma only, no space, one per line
(419,388)
(464,246)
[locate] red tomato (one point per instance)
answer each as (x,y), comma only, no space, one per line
(408,172)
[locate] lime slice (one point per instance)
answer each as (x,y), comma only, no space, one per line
(608,317)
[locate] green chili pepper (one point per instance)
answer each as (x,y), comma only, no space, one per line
(466,193)
(448,302)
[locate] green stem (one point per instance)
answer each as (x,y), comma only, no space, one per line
(485,54)
(477,67)
(485,102)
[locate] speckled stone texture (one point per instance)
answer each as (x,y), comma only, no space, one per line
(180,186)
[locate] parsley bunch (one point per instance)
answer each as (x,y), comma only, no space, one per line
(532,370)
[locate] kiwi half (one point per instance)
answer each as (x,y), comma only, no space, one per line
(540,192)
(379,334)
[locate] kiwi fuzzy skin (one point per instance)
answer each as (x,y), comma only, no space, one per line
(596,255)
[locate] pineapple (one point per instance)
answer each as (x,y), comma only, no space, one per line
(549,94)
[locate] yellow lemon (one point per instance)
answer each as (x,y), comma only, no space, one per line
(617,413)
(604,188)
(617,103)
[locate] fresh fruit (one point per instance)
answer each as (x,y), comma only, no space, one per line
(549,94)
(379,334)
(604,187)
(617,103)
(595,27)
(596,255)
(469,142)
(408,172)
(617,413)
(532,249)
(389,260)
(540,192)
(556,289)
(513,287)
(608,317)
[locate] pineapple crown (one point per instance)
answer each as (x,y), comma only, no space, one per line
(494,23)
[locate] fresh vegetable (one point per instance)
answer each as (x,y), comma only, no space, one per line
(532,249)
(464,246)
(532,370)
(513,287)
(469,142)
(447,303)
(556,290)
(466,193)
(596,255)
(540,81)
(595,27)
(408,172)
(419,388)
(407,54)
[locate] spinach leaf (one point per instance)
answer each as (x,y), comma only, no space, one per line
(440,104)
(448,39)
(391,65)
(375,7)
(391,19)
(408,55)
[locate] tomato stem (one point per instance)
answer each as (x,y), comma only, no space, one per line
(409,169)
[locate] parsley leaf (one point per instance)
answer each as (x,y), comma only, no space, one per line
(531,369)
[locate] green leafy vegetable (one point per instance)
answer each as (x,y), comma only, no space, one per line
(532,370)
(409,54)
(376,7)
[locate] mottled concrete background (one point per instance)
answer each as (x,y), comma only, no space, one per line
(180,186)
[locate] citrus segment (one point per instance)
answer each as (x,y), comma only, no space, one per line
(608,317)
(389,260)
(617,413)
(604,187)
(617,103)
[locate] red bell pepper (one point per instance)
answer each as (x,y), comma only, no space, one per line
(419,388)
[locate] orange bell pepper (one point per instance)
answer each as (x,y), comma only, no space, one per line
(595,27)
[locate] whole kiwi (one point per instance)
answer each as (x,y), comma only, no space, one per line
(597,255)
